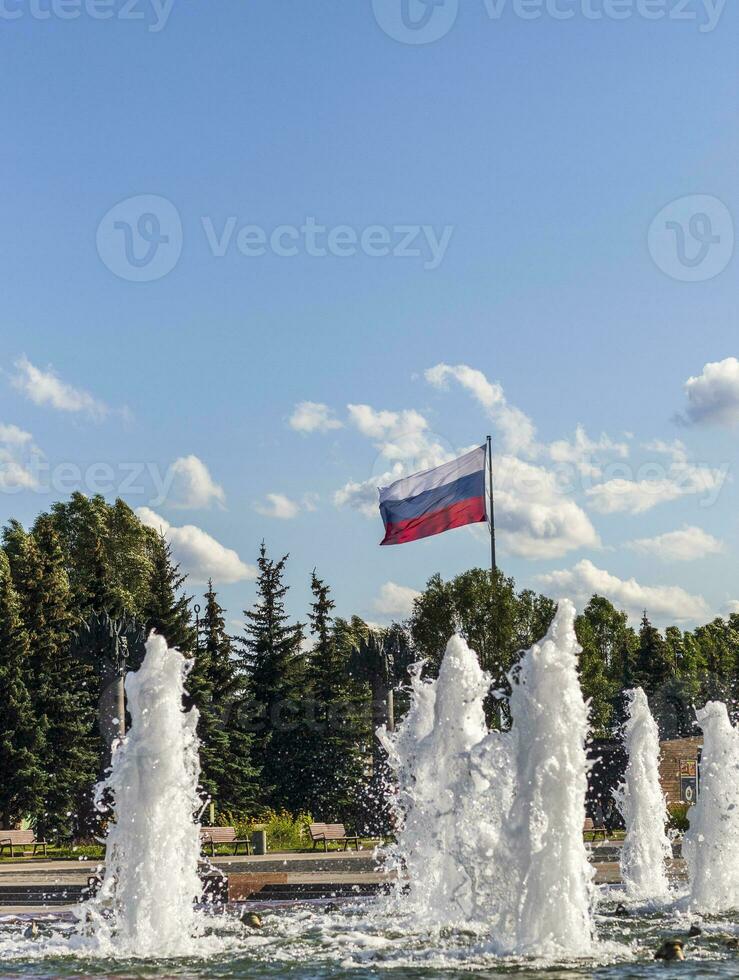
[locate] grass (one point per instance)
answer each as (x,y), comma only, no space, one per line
(69,852)
(92,853)
(591,837)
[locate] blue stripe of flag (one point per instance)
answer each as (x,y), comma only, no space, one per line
(429,501)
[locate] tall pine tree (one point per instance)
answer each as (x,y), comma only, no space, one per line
(22,744)
(167,608)
(64,691)
(333,768)
(654,666)
(275,667)
(216,686)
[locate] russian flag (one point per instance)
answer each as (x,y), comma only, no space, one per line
(436,500)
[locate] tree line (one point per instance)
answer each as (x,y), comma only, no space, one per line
(287,709)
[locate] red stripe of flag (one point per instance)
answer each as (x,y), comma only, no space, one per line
(470,511)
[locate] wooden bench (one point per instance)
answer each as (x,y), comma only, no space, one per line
(590,828)
(324,833)
(212,836)
(20,840)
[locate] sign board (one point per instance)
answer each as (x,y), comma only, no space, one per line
(689,781)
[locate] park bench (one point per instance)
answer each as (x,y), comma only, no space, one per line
(590,828)
(20,840)
(324,833)
(213,836)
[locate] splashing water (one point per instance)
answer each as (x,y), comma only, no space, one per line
(642,803)
(431,755)
(550,877)
(145,904)
(712,842)
(492,832)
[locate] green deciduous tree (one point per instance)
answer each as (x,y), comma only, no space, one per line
(485,608)
(108,555)
(607,661)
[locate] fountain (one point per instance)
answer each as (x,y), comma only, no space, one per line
(712,842)
(490,849)
(430,754)
(642,803)
(551,879)
(492,829)
(145,904)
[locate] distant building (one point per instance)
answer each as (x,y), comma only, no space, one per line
(679,769)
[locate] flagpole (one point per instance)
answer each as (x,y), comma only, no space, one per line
(493,563)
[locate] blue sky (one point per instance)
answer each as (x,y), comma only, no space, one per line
(215,213)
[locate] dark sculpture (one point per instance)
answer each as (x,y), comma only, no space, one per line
(112,647)
(382,660)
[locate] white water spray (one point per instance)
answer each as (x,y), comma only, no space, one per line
(492,832)
(642,803)
(712,843)
(145,904)
(431,755)
(550,877)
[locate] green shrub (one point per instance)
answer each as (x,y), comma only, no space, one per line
(679,817)
(285,831)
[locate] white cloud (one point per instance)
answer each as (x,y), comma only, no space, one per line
(663,602)
(279,506)
(363,496)
(403,436)
(310,502)
(679,478)
(45,387)
(200,555)
(313,417)
(19,457)
(583,452)
(517,429)
(192,486)
(687,544)
(396,600)
(11,435)
(713,396)
(632,496)
(535,518)
(732,607)
(405,445)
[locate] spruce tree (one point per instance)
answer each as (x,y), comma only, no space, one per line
(216,686)
(333,769)
(167,608)
(274,664)
(22,744)
(653,665)
(64,691)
